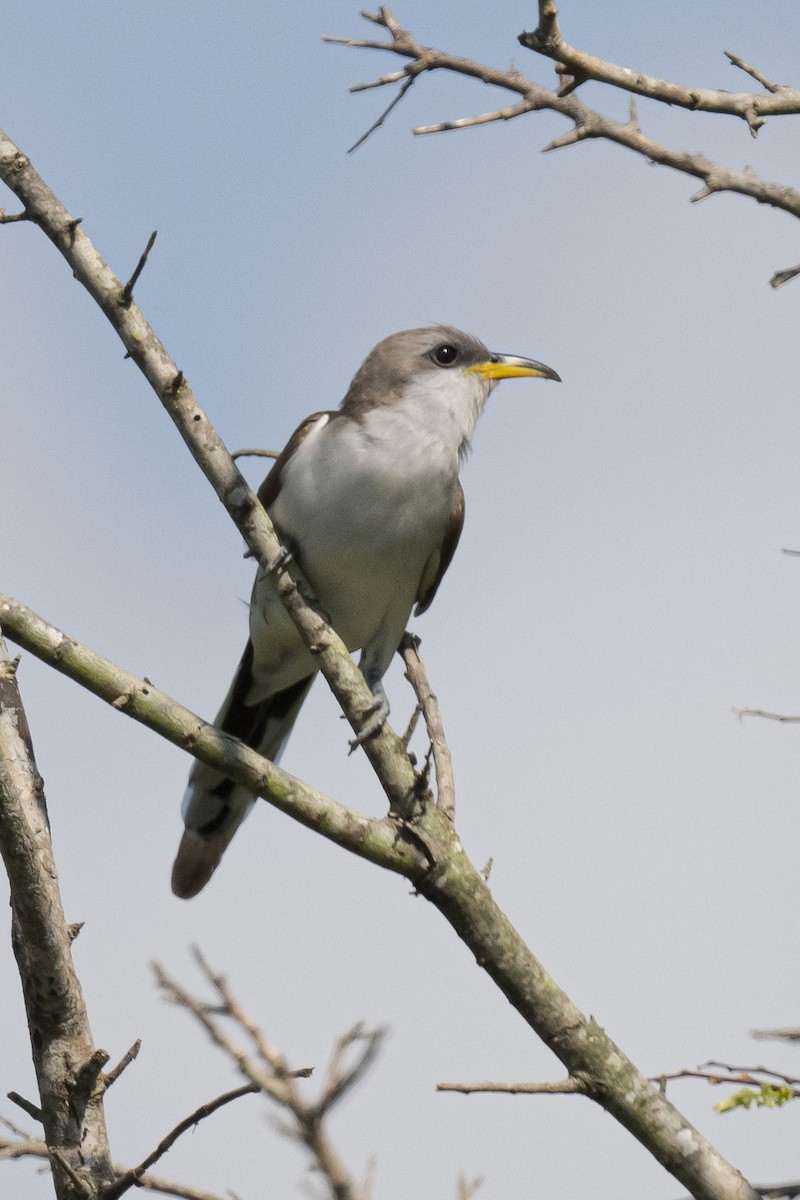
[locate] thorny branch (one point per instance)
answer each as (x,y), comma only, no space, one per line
(574,67)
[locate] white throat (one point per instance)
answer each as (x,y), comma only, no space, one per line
(440,407)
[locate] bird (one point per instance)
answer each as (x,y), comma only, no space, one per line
(367,500)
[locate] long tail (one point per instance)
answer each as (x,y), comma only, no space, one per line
(214,806)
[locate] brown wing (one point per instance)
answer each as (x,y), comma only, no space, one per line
(434,571)
(268,492)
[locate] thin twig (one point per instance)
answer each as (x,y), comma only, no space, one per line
(254,452)
(442,759)
(767,716)
(467,1188)
(377,124)
(759,1070)
(273,1077)
(413,721)
(231,1007)
(27,1106)
(559,1087)
(500,114)
(81,1185)
(26,1146)
(576,67)
(735,61)
(782,277)
(127,291)
(134,1174)
(113,1075)
(342,1079)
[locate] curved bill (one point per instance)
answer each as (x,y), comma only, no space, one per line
(509,366)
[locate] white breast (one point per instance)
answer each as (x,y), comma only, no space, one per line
(367,502)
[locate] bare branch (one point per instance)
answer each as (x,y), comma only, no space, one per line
(25,1146)
(133,1175)
(759,1070)
(575,67)
(27,1106)
(767,716)
(113,1075)
(230,1007)
(392,104)
(572,1086)
(720,1073)
(365,836)
(255,453)
(548,41)
(10,218)
(500,114)
(272,1075)
(341,1079)
(127,291)
(413,721)
(766,83)
(467,1189)
(442,759)
(66,1062)
(778,280)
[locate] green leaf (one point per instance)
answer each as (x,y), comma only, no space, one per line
(768,1096)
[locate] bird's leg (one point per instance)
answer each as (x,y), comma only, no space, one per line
(372,668)
(281,559)
(377,714)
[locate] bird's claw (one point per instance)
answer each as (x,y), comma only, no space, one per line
(281,559)
(376,716)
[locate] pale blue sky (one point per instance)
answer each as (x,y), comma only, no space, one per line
(618,588)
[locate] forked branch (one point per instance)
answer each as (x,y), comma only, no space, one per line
(574,67)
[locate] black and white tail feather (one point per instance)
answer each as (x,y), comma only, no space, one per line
(213,805)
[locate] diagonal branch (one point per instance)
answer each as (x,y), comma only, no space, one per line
(376,840)
(132,1177)
(384,750)
(770,86)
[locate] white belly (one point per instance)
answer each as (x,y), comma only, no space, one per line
(365,506)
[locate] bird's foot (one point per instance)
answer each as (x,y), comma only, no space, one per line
(376,716)
(281,560)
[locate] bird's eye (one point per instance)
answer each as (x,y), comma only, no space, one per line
(445,355)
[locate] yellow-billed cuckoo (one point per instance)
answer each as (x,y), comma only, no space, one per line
(368,500)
